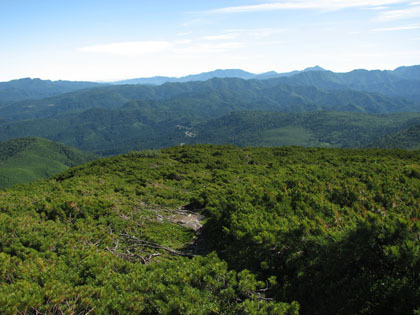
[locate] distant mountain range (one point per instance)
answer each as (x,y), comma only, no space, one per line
(374,80)
(402,82)
(218,96)
(219,73)
(313,107)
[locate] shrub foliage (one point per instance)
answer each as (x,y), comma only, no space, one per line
(286,230)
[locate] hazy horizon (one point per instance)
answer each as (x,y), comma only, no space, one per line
(177,77)
(109,41)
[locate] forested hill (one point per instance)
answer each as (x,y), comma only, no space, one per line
(27,159)
(407,138)
(358,78)
(397,83)
(402,82)
(289,109)
(212,98)
(138,126)
(22,89)
(285,230)
(313,129)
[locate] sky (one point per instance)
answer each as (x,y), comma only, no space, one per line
(102,40)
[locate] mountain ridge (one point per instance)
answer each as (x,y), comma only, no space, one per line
(27,88)
(403,72)
(113,119)
(376,81)
(227,94)
(218,73)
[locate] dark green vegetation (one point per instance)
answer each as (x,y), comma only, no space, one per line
(28,159)
(22,89)
(313,107)
(403,81)
(315,129)
(354,79)
(391,83)
(287,230)
(408,138)
(212,98)
(135,126)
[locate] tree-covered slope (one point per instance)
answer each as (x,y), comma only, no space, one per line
(402,82)
(212,98)
(408,138)
(313,129)
(408,72)
(139,126)
(379,77)
(320,231)
(28,159)
(22,89)
(100,130)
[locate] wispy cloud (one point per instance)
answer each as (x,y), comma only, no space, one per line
(412,11)
(184,33)
(203,48)
(211,44)
(381,8)
(182,42)
(243,34)
(305,4)
(220,37)
(256,32)
(128,48)
(397,28)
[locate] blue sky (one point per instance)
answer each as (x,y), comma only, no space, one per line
(111,40)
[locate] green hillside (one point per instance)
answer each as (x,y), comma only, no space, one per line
(28,159)
(116,119)
(408,138)
(211,99)
(285,230)
(314,129)
(23,89)
(138,125)
(402,82)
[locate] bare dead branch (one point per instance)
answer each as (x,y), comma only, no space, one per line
(149,244)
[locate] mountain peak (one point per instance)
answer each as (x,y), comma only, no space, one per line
(315,68)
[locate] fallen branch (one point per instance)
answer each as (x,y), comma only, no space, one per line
(148,244)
